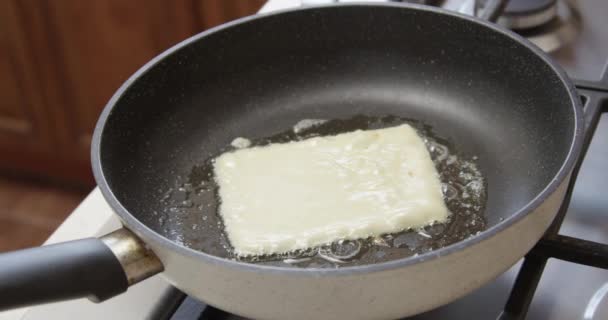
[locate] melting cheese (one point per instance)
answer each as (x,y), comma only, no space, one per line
(297,195)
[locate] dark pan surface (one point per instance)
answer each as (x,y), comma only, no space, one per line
(190,216)
(488,94)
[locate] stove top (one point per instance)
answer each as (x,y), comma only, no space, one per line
(547,288)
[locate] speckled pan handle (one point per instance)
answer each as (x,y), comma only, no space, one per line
(95,268)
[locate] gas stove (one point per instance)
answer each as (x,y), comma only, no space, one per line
(563,277)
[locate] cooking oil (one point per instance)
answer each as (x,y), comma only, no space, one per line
(191,215)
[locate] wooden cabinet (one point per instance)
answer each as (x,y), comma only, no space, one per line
(62,60)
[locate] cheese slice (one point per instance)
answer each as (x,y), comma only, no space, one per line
(297,195)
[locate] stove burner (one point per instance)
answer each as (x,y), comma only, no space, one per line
(549,24)
(555,33)
(523,14)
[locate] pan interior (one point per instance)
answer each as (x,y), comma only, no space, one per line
(486,93)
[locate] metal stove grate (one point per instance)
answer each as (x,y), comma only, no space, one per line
(554,245)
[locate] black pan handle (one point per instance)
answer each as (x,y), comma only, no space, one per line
(493,9)
(95,268)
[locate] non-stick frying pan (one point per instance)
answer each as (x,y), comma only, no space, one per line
(486,89)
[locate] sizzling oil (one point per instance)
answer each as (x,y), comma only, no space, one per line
(191,208)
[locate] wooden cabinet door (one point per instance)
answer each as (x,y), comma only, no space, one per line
(25,130)
(99,44)
(210,13)
(64,59)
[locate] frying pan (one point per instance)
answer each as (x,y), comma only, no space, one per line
(488,90)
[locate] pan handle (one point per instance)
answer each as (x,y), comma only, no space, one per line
(94,268)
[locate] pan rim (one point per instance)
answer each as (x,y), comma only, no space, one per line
(139,228)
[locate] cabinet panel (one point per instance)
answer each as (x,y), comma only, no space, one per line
(12,115)
(101,43)
(214,12)
(18,104)
(62,60)
(28,96)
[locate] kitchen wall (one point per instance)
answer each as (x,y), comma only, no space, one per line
(61,61)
